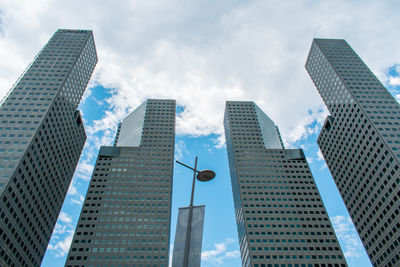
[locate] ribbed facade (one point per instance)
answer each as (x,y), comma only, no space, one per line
(360,141)
(281,220)
(42,137)
(125,219)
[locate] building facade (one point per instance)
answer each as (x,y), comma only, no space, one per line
(360,141)
(42,137)
(125,219)
(281,219)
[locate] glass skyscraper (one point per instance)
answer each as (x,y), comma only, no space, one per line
(42,137)
(125,219)
(360,141)
(281,220)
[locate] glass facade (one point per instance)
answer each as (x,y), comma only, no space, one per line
(42,137)
(269,131)
(360,142)
(281,220)
(125,219)
(130,131)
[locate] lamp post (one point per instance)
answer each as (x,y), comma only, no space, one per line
(203,176)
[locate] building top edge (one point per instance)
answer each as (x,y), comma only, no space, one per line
(239,102)
(328,39)
(162,99)
(74,30)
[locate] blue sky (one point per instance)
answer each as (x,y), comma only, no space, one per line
(202,53)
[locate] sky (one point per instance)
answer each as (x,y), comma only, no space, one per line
(202,53)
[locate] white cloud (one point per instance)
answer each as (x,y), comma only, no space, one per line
(252,50)
(219,142)
(79,200)
(310,123)
(62,236)
(397,68)
(60,229)
(232,254)
(72,189)
(61,248)
(220,252)
(84,170)
(75,196)
(181,150)
(347,235)
(342,224)
(320,157)
(394,81)
(64,217)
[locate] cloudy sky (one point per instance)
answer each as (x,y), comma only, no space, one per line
(202,53)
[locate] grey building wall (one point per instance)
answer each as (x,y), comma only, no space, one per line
(42,137)
(360,141)
(280,216)
(125,219)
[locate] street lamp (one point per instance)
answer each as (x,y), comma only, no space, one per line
(202,176)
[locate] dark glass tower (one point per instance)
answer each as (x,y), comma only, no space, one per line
(42,137)
(280,217)
(360,141)
(125,219)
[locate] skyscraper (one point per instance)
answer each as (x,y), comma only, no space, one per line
(360,141)
(280,217)
(125,219)
(42,137)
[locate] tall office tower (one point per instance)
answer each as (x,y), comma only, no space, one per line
(360,141)
(125,219)
(280,217)
(42,137)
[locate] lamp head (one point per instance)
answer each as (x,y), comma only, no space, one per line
(205,175)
